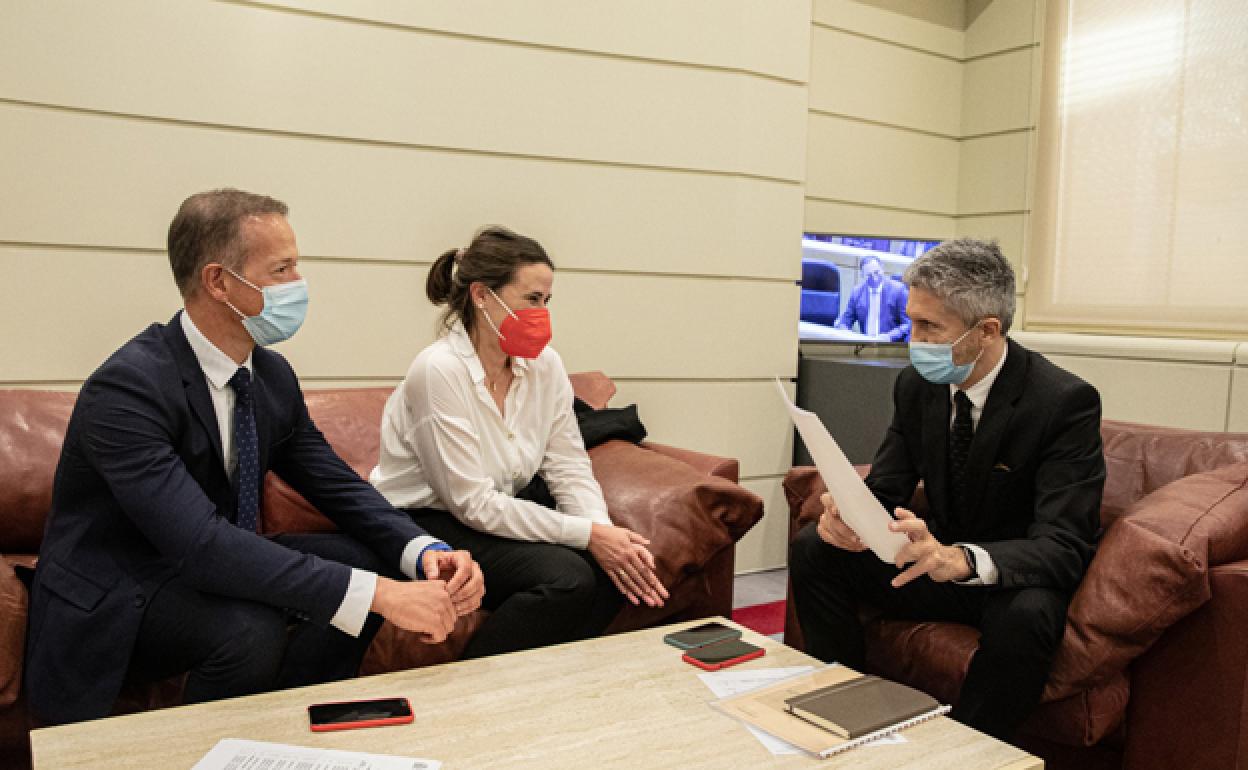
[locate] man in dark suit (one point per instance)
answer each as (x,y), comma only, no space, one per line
(1008,448)
(878,305)
(152,563)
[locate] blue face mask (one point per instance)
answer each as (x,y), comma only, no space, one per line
(285,307)
(934,361)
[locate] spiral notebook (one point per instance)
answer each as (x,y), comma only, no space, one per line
(768,710)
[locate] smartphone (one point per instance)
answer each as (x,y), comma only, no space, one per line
(700,636)
(359,713)
(713,657)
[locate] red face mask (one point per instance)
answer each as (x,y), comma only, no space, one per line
(524,333)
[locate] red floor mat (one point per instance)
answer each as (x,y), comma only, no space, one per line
(766,619)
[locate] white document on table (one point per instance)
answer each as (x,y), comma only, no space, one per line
(725,684)
(236,754)
(858,507)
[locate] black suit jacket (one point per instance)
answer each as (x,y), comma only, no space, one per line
(141,495)
(1035,472)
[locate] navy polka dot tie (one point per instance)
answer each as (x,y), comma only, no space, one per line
(959,450)
(246,449)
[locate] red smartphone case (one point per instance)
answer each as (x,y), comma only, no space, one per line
(399,719)
(758,653)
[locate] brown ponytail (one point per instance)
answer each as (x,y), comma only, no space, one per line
(492,259)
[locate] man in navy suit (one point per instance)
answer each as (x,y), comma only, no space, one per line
(1008,448)
(878,305)
(152,561)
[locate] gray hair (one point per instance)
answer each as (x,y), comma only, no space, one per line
(970,276)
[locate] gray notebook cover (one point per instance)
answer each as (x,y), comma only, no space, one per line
(860,706)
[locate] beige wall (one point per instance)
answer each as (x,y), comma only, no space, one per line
(657,150)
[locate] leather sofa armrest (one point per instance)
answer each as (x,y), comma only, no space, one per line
(13,605)
(711,465)
(687,515)
(1189,691)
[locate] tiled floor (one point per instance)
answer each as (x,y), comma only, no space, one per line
(759,587)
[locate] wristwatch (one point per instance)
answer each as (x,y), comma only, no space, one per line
(970,559)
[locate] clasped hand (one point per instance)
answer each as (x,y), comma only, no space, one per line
(925,554)
(623,555)
(453,587)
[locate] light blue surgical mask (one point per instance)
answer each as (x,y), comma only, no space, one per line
(285,307)
(934,361)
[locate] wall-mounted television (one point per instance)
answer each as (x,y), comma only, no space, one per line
(852,289)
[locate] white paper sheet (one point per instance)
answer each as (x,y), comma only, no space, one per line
(725,684)
(236,754)
(858,507)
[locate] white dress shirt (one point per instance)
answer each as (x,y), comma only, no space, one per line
(986,572)
(444,445)
(873,312)
(218,369)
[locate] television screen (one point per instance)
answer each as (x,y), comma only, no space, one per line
(852,289)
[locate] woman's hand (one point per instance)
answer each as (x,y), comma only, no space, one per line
(623,555)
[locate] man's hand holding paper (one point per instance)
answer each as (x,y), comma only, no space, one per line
(834,530)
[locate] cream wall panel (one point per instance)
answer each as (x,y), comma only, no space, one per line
(887,24)
(861,163)
(997,93)
(846,218)
(745,420)
(993,174)
(1178,395)
(869,79)
(300,73)
(64,311)
(1009,230)
(734,33)
(1237,419)
(385,202)
(368,320)
(997,25)
(653,327)
(766,546)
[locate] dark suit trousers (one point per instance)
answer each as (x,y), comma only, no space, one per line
(233,647)
(537,593)
(1020,628)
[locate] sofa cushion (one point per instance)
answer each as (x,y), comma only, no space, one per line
(1150,570)
(1140,459)
(32,430)
(13,602)
(935,656)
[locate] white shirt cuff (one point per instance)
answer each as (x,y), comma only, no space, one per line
(576,532)
(986,573)
(409,562)
(353,611)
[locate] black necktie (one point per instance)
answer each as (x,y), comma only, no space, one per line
(959,449)
(246,449)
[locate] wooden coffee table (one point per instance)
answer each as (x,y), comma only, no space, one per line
(624,701)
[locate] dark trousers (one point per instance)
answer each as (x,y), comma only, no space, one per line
(1020,629)
(233,647)
(537,593)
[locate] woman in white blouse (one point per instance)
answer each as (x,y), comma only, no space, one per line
(483,410)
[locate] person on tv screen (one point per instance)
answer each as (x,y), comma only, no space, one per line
(878,305)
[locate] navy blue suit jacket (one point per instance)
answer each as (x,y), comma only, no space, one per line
(1034,476)
(893,319)
(141,495)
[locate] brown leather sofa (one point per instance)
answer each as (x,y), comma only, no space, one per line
(1153,667)
(687,503)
